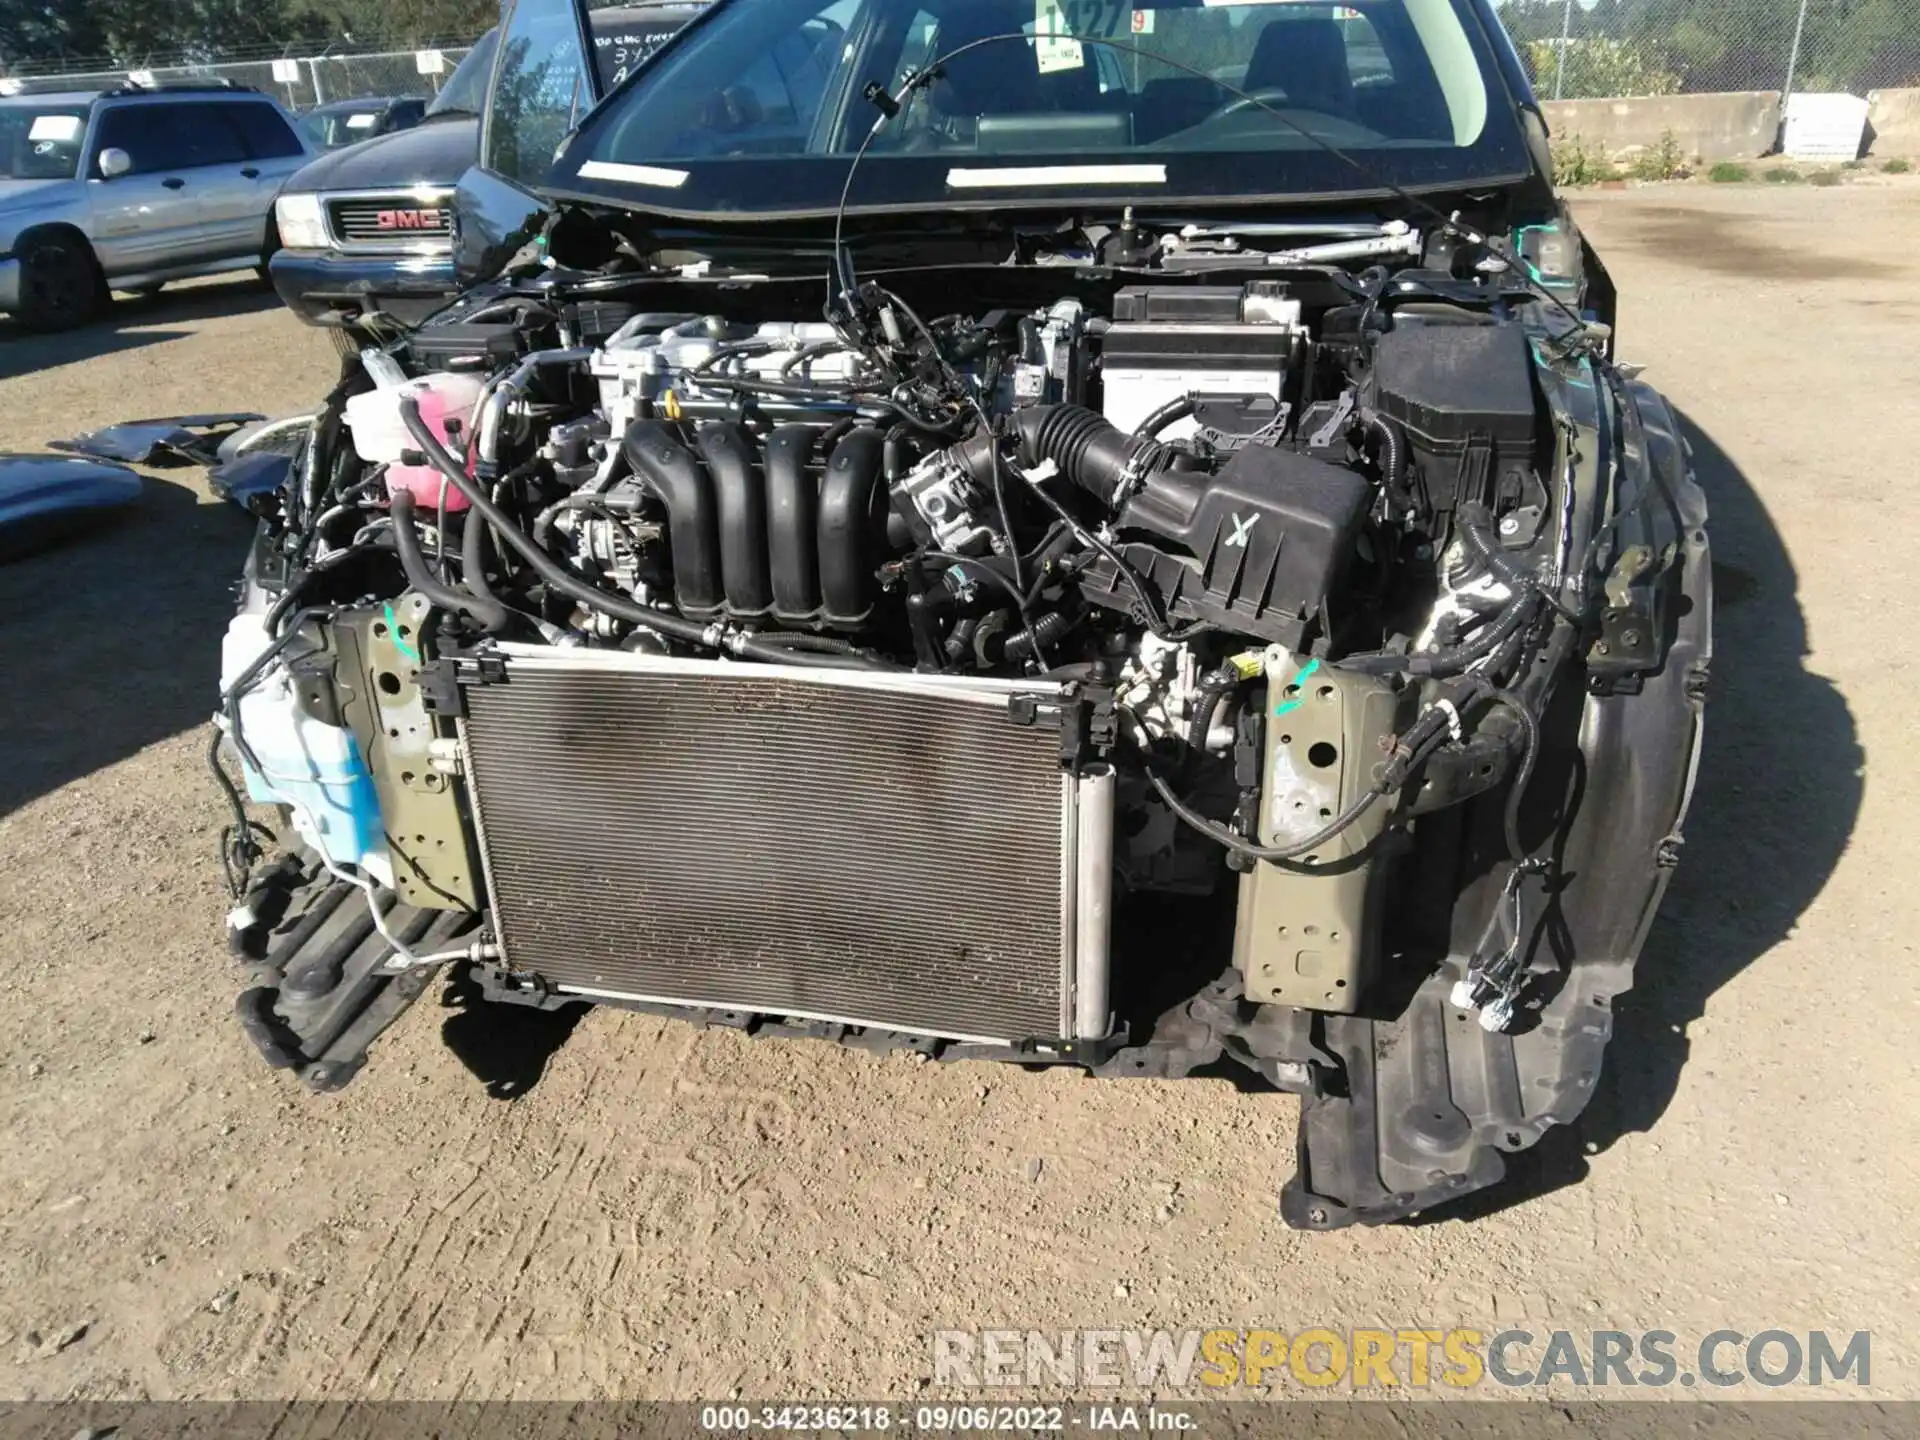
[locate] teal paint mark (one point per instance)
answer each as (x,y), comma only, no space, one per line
(400,644)
(1299,682)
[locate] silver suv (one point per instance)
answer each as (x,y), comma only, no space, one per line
(128,189)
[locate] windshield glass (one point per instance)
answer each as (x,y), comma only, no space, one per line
(1169,99)
(332,128)
(465,92)
(41,142)
(542,86)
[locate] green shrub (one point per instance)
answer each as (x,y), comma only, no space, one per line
(1824,177)
(1665,161)
(1575,162)
(1896,167)
(1729,172)
(1782,175)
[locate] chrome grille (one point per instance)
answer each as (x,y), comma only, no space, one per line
(398,222)
(887,852)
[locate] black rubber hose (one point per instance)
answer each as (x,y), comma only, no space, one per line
(490,615)
(670,473)
(740,511)
(473,567)
(1178,408)
(793,522)
(818,651)
(823,644)
(1034,640)
(672,626)
(845,522)
(1090,449)
(959,643)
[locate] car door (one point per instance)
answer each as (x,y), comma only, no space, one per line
(274,150)
(145,218)
(233,186)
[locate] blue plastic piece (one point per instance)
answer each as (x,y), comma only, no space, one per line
(43,498)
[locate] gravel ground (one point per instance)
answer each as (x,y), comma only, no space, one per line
(671,1213)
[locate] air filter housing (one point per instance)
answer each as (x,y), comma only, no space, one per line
(893,851)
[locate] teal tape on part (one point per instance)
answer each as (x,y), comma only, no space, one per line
(400,643)
(1299,683)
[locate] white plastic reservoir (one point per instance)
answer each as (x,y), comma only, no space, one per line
(313,768)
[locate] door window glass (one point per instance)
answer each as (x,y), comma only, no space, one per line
(172,137)
(266,135)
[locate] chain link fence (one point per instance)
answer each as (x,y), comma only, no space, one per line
(1575,49)
(298,81)
(1592,49)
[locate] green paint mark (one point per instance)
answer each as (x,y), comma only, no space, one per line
(400,644)
(1299,683)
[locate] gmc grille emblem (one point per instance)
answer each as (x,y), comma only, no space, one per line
(407,220)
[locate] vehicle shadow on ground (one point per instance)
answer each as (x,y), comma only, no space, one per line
(1781,778)
(110,640)
(129,326)
(505,1047)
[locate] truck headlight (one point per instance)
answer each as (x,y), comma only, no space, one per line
(302,225)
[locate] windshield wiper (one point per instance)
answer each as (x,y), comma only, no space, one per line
(1348,241)
(1346,230)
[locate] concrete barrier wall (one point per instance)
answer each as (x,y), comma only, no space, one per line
(1738,125)
(1895,118)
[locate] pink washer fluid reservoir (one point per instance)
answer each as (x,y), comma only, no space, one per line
(380,435)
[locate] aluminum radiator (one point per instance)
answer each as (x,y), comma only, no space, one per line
(881,850)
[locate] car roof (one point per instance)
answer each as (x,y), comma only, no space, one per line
(362,102)
(53,97)
(182,90)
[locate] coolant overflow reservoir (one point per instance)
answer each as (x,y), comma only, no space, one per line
(447,401)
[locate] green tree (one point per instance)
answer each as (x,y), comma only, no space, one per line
(1597,67)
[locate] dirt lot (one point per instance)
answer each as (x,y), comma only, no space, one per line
(635,1208)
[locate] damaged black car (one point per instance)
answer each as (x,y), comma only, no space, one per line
(1060,532)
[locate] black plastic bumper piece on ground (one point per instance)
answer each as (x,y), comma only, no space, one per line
(320,993)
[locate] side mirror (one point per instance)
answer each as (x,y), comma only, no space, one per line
(114,162)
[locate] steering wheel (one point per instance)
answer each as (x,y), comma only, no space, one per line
(1272,95)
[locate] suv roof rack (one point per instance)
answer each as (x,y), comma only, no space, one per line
(171,87)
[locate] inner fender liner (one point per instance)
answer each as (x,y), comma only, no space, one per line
(1430,1100)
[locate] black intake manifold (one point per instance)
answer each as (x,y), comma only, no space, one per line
(754,532)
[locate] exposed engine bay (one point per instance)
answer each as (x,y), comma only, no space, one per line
(881,676)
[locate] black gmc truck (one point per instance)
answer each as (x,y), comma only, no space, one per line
(366,232)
